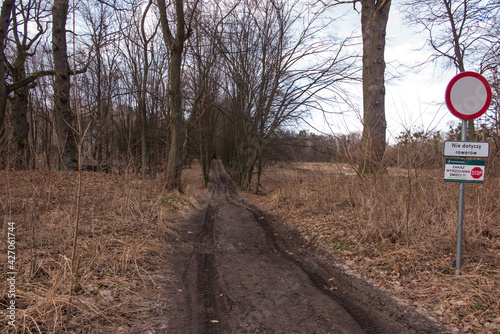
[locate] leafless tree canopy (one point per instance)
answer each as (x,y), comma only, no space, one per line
(463,34)
(158,83)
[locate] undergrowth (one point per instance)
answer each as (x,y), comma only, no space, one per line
(123,252)
(400,229)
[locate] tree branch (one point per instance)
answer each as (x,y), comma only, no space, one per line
(167,33)
(382,5)
(35,76)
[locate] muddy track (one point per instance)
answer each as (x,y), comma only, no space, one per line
(244,272)
(201,281)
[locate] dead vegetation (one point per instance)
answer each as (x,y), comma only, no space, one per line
(122,248)
(399,229)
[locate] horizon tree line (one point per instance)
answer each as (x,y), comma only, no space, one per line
(145,84)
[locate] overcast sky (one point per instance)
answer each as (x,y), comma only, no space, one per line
(413,100)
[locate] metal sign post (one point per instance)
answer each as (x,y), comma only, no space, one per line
(460,229)
(468,96)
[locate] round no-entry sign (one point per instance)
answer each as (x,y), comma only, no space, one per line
(468,95)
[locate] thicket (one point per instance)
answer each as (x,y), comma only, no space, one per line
(400,229)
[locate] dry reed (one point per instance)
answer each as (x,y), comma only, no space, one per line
(123,240)
(399,229)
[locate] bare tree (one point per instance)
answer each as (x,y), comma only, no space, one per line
(374,17)
(459,31)
(100,85)
(204,82)
(145,40)
(138,43)
(17,79)
(175,36)
(28,26)
(158,106)
(64,117)
(26,43)
(277,66)
(41,125)
(5,19)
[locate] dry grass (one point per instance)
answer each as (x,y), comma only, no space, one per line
(125,226)
(399,229)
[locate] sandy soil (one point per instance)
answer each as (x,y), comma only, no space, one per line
(240,271)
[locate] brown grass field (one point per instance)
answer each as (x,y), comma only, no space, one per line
(400,230)
(125,225)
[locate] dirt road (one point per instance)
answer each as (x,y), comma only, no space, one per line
(242,272)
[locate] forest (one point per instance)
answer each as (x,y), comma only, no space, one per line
(112,113)
(147,86)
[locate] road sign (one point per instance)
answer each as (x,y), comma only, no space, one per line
(468,95)
(466,149)
(476,173)
(463,170)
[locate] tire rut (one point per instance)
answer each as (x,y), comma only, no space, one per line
(248,274)
(312,271)
(208,311)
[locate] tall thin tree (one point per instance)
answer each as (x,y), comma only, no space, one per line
(5,19)
(64,117)
(174,40)
(25,17)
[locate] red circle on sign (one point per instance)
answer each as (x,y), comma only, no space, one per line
(462,99)
(476,172)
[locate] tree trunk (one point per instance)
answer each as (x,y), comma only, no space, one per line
(144,147)
(259,173)
(206,144)
(64,117)
(21,148)
(176,154)
(374,16)
(5,17)
(100,119)
(143,95)
(142,112)
(176,47)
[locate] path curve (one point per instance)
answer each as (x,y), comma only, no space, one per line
(245,273)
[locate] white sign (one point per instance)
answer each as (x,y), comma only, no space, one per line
(466,149)
(462,170)
(468,95)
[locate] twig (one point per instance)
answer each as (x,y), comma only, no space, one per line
(72,286)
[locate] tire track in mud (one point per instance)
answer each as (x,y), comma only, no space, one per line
(207,309)
(312,271)
(247,275)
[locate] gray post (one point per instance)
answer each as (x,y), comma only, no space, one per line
(461,188)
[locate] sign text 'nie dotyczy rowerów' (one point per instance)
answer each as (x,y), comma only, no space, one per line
(466,149)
